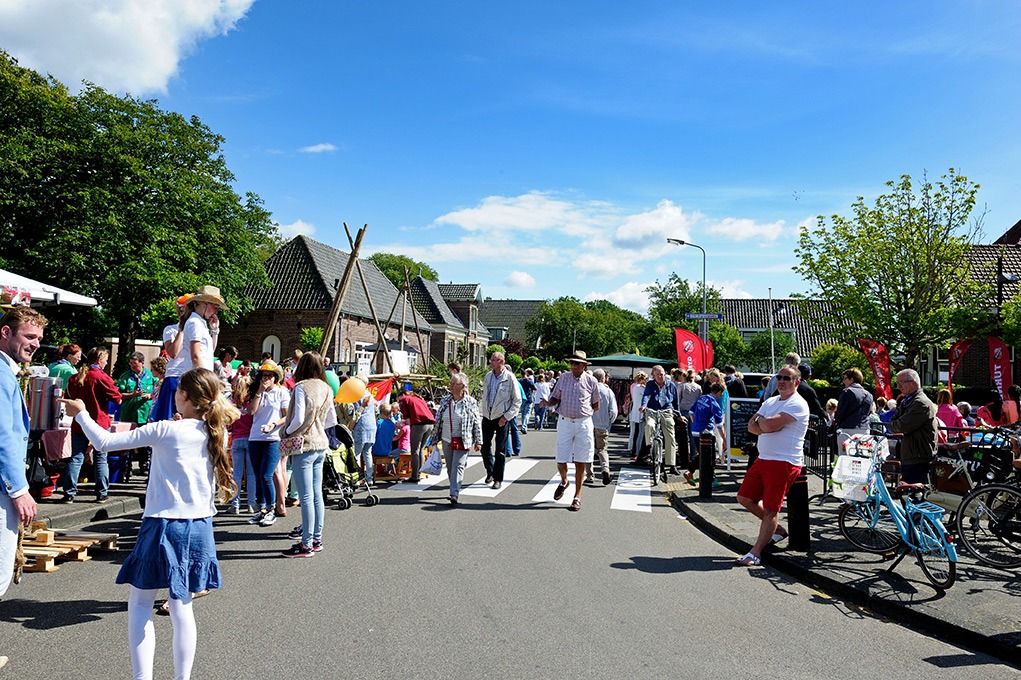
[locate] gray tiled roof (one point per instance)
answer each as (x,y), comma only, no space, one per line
(509,314)
(1012,235)
(804,317)
(430,303)
(460,292)
(304,273)
(983,262)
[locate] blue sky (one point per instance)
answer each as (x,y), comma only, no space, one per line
(547,149)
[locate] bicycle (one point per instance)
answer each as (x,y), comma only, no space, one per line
(656,469)
(989,524)
(873,522)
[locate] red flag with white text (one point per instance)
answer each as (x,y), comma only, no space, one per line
(879,362)
(999,366)
(691,353)
(957,351)
(381,390)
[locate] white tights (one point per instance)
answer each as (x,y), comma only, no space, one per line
(142,634)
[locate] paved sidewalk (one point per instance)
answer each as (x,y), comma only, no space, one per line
(124,498)
(982,610)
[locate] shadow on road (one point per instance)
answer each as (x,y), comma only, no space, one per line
(50,615)
(675,565)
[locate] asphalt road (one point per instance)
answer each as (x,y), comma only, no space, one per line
(503,586)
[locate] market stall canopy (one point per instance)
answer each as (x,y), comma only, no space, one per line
(630,361)
(43,293)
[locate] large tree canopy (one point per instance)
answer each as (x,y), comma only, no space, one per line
(898,270)
(598,327)
(393,266)
(115,198)
(669,302)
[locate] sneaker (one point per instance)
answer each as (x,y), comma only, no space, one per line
(689,477)
(251,510)
(268,519)
(295,532)
(231,510)
(102,499)
(257,517)
(298,550)
(317,545)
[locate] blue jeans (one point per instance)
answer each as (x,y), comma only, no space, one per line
(363,453)
(513,438)
(456,462)
(265,456)
(526,409)
(540,417)
(307,474)
(79,444)
(242,460)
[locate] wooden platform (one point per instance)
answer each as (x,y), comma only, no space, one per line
(44,547)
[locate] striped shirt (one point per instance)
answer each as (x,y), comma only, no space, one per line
(576,395)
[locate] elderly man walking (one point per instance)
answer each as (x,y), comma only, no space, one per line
(21,331)
(602,421)
(501,402)
(576,396)
(780,423)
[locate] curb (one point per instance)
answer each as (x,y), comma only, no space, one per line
(903,615)
(82,513)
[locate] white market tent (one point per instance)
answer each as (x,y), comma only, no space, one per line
(43,293)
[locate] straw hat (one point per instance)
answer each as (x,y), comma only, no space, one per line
(579,357)
(210,294)
(272,367)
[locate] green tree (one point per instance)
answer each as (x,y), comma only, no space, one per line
(761,354)
(669,302)
(830,361)
(311,338)
(393,266)
(598,327)
(115,198)
(898,270)
(514,361)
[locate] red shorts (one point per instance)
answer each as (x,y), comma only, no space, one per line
(768,481)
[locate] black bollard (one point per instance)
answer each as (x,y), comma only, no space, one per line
(797,514)
(706,464)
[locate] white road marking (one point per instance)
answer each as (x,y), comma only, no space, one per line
(427,481)
(545,495)
(633,490)
(512,471)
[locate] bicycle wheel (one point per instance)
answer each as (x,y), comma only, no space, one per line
(989,525)
(869,527)
(932,554)
(656,464)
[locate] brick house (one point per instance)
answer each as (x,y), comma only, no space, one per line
(452,309)
(305,275)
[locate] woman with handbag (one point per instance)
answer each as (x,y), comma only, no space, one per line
(311,412)
(459,425)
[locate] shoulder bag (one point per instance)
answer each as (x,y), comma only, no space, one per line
(293,444)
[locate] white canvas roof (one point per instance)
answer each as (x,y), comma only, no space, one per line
(43,293)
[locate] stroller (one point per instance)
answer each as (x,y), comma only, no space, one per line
(342,473)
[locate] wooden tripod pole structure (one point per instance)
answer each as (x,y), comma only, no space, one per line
(418,331)
(338,299)
(372,308)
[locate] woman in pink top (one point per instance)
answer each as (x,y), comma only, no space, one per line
(948,414)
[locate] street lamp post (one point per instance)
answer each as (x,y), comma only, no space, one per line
(703,326)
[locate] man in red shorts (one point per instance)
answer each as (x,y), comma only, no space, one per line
(780,423)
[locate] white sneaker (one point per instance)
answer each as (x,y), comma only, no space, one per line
(267,519)
(257,517)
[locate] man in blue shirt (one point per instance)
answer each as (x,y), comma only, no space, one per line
(705,415)
(658,405)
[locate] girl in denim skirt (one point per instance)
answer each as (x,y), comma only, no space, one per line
(175,547)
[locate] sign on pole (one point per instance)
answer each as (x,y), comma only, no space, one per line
(706,316)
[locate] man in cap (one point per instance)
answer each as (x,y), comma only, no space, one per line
(576,396)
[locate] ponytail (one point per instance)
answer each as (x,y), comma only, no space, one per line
(202,388)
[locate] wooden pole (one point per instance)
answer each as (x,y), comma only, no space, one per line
(338,299)
(372,308)
(425,356)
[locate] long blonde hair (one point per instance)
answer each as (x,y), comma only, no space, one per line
(93,357)
(204,391)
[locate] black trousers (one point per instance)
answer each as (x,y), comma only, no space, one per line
(494,460)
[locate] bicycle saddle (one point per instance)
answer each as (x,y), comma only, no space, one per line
(903,488)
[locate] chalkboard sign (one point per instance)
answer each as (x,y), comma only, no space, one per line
(741,412)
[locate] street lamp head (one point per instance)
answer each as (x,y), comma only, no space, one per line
(677,241)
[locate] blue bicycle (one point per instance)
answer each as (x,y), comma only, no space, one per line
(879,524)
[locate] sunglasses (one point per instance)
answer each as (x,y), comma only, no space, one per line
(785,378)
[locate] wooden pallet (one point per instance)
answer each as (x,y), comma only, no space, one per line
(43,549)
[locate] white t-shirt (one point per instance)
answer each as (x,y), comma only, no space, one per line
(787,444)
(542,392)
(173,365)
(271,408)
(637,392)
(196,329)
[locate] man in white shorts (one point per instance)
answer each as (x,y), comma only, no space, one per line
(576,396)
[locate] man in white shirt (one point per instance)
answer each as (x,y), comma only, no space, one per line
(780,423)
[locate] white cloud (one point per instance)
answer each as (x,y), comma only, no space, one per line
(731,289)
(325,147)
(531,212)
(122,45)
(296,228)
(647,232)
(519,280)
(466,250)
(631,295)
(741,229)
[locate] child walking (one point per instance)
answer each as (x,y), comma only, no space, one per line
(175,547)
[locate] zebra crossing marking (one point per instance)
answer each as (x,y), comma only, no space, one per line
(513,470)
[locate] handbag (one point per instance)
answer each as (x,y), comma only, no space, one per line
(293,444)
(456,443)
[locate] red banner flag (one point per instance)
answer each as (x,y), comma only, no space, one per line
(381,390)
(879,361)
(957,351)
(999,366)
(691,353)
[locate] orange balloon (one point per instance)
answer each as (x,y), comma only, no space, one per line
(351,390)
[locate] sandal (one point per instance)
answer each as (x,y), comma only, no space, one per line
(780,535)
(163,606)
(575,505)
(748,560)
